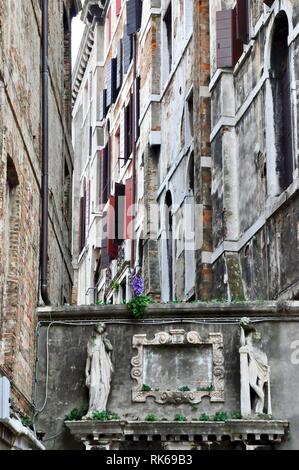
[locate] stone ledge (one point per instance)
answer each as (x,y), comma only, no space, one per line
(251,431)
(288,310)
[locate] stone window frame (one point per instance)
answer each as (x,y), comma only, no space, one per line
(185,339)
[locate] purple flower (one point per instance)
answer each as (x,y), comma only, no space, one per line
(137,285)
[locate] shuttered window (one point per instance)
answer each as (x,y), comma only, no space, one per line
(105,175)
(137,107)
(128,130)
(103,105)
(127,50)
(111,82)
(82,227)
(129,209)
(112,245)
(242,11)
(229,47)
(134,15)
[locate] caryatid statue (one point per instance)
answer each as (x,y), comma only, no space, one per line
(98,370)
(255,373)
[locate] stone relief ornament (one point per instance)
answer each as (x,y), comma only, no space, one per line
(255,374)
(181,339)
(98,370)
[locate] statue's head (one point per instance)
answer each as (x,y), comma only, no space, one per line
(246,324)
(100,328)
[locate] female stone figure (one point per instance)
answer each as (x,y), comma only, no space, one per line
(98,370)
(255,373)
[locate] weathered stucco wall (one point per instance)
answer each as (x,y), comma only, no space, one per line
(278,327)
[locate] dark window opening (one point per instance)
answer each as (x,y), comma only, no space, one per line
(191,173)
(169,240)
(281,92)
(67,193)
(168,25)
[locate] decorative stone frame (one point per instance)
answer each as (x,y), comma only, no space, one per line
(175,338)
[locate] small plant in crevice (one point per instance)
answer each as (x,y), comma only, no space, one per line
(210,388)
(180,418)
(204,417)
(105,416)
(151,417)
(184,388)
(76,414)
(221,416)
(146,388)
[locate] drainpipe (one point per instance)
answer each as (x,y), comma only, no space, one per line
(45,154)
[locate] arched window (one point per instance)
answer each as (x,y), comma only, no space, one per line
(281,94)
(169,240)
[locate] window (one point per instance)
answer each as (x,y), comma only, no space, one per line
(134,15)
(128,130)
(189,119)
(169,241)
(82,228)
(169,38)
(127,50)
(281,96)
(229,47)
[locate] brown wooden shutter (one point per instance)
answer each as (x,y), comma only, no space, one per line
(129,209)
(229,48)
(120,191)
(242,12)
(137,107)
(134,15)
(81,224)
(127,50)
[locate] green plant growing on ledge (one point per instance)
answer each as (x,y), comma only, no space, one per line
(105,416)
(204,417)
(221,416)
(138,304)
(151,417)
(76,414)
(210,388)
(184,388)
(146,388)
(180,418)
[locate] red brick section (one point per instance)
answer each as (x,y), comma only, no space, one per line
(202,117)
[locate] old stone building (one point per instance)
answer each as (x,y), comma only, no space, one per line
(254,147)
(141,54)
(35,118)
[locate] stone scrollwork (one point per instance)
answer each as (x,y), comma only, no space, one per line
(178,337)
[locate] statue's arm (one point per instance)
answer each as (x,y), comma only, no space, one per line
(108,345)
(243,338)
